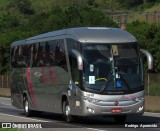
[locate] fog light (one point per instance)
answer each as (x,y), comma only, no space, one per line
(90,110)
(140,109)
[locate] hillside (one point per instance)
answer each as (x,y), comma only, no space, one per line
(136,8)
(104,5)
(22,19)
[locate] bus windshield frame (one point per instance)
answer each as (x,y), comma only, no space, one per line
(112,68)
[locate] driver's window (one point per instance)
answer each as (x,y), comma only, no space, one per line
(75,73)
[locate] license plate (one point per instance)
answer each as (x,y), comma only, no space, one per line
(116,110)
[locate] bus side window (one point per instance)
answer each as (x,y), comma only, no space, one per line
(74,69)
(19,57)
(26,55)
(43,54)
(34,53)
(60,56)
(40,60)
(75,73)
(51,55)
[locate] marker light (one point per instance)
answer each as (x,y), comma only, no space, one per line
(90,110)
(140,109)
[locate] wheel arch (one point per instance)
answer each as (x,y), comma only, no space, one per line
(63,98)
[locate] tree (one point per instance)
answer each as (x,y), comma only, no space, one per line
(24,6)
(148,38)
(129,3)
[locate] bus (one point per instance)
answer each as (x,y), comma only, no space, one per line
(83,71)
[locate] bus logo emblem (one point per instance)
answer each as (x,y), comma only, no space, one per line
(116,103)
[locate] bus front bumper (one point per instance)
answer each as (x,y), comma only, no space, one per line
(91,109)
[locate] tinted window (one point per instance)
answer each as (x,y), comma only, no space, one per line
(49,53)
(21,56)
(26,55)
(41,54)
(73,45)
(60,57)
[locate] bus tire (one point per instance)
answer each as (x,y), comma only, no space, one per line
(27,111)
(120,119)
(66,112)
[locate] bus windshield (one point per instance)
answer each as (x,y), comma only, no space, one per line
(112,69)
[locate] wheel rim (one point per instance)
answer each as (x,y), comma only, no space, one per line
(26,106)
(67,110)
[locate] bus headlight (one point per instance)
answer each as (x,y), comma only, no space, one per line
(139,99)
(90,100)
(140,109)
(90,110)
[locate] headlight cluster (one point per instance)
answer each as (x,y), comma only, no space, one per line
(90,100)
(138,99)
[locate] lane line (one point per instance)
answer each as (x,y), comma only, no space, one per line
(151,112)
(5,104)
(24,117)
(95,129)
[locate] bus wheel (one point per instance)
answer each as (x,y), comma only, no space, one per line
(67,112)
(27,111)
(120,119)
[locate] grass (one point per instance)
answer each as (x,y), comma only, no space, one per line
(153,111)
(5,96)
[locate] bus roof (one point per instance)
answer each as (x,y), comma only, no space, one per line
(86,35)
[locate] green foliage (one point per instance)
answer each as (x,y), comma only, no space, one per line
(8,21)
(108,4)
(12,28)
(24,6)
(6,38)
(148,37)
(129,3)
(73,16)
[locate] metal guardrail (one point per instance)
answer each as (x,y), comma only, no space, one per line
(123,17)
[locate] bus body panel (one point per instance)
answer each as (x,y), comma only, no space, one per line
(46,86)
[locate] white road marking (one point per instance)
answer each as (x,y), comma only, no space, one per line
(151,113)
(52,121)
(24,117)
(95,129)
(7,104)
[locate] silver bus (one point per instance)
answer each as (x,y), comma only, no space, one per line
(86,71)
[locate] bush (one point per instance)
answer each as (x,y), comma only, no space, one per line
(56,18)
(24,6)
(148,37)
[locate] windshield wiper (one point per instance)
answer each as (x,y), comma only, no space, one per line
(125,82)
(106,83)
(104,86)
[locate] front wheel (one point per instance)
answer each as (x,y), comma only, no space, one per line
(27,111)
(67,112)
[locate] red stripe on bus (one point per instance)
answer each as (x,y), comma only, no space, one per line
(28,73)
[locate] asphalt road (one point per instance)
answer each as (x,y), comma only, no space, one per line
(50,121)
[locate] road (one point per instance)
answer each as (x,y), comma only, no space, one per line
(8,113)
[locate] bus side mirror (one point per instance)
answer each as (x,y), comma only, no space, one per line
(79,59)
(149,58)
